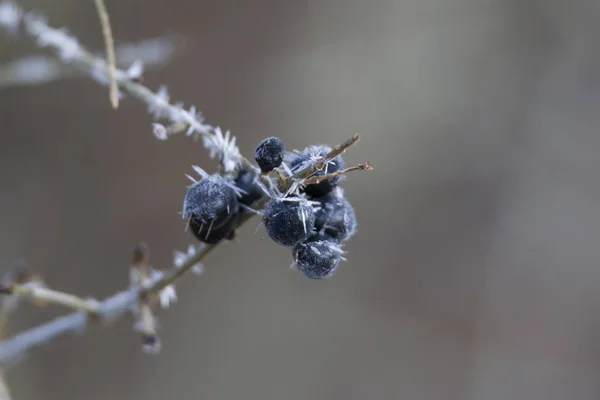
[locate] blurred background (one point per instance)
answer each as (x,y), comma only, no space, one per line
(474,271)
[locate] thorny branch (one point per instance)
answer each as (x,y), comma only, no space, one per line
(15,21)
(148,284)
(290,183)
(107,310)
(336,151)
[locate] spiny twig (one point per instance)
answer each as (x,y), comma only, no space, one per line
(336,151)
(146,286)
(68,50)
(290,183)
(107,310)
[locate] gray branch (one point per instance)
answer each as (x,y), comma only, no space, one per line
(106,311)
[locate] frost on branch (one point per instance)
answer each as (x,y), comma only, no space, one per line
(37,69)
(223,147)
(314,224)
(179,258)
(69,51)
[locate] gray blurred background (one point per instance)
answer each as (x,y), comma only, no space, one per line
(474,272)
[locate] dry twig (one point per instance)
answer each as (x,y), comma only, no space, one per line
(110,51)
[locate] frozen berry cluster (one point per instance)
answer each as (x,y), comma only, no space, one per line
(311,216)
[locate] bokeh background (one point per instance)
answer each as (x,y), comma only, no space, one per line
(475,271)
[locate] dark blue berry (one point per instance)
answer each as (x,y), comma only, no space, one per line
(317,259)
(293,160)
(269,153)
(335,218)
(210,201)
(246,181)
(289,222)
(310,156)
(206,234)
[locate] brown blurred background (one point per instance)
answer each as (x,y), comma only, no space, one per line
(474,273)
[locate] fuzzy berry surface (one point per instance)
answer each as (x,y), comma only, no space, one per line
(211,201)
(335,218)
(289,222)
(317,259)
